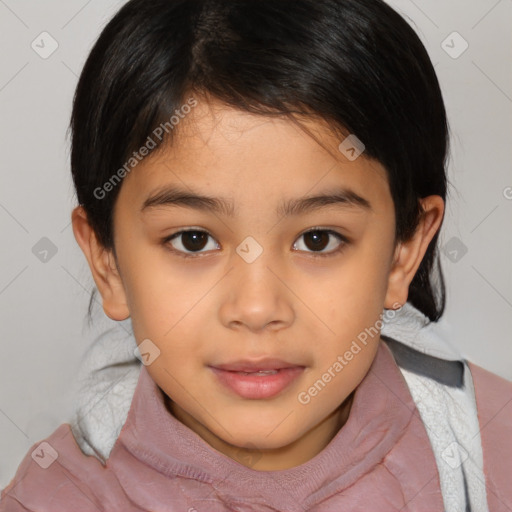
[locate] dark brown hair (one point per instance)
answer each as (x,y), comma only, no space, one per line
(355,63)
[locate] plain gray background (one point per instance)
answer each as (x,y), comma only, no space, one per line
(43,303)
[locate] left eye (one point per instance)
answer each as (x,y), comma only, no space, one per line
(317,240)
(191,242)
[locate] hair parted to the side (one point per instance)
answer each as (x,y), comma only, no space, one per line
(357,64)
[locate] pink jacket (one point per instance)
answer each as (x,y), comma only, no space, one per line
(381,460)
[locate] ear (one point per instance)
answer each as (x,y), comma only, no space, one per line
(103,267)
(409,255)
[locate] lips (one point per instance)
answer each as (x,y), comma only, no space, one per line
(255,366)
(261,379)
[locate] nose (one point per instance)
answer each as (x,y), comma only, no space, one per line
(257,297)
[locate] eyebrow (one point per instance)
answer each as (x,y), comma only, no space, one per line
(177,196)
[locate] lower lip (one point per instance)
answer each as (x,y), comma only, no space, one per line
(258,387)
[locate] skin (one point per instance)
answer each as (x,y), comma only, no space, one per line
(215,307)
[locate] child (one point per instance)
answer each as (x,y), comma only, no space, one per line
(261,129)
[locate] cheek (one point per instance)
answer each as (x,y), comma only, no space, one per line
(166,307)
(351,303)
(150,308)
(157,292)
(354,292)
(371,268)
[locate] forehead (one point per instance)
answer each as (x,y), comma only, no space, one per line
(218,149)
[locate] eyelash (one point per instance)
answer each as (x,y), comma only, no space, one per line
(314,254)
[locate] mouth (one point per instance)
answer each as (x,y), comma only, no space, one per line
(257,380)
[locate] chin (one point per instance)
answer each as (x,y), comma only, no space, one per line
(260,445)
(261,438)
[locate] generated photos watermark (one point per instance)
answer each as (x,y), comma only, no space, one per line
(304,397)
(145,149)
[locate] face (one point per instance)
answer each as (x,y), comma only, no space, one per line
(258,278)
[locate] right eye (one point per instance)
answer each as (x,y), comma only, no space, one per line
(193,240)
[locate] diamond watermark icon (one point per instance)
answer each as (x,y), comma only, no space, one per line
(44,250)
(454,45)
(454,249)
(351,147)
(454,455)
(146,352)
(45,455)
(249,249)
(248,455)
(44,45)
